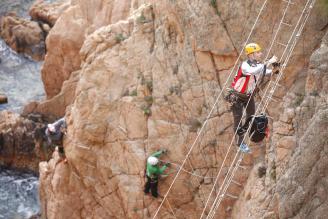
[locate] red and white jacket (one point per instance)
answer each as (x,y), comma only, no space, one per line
(248,74)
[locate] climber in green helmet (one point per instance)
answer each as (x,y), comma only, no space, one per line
(153,171)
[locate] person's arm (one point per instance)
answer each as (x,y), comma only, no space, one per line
(60,123)
(157,153)
(256,70)
(268,71)
(252,70)
(161,170)
(48,136)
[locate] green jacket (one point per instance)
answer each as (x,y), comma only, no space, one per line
(155,171)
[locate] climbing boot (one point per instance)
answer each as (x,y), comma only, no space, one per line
(244,148)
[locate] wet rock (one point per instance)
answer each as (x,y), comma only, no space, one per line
(3,99)
(23,36)
(48,12)
(22,142)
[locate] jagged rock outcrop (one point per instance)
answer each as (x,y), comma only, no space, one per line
(78,21)
(147,81)
(48,12)
(22,143)
(56,106)
(23,36)
(3,99)
(28,36)
(296,180)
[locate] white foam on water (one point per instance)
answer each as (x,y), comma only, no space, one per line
(18,194)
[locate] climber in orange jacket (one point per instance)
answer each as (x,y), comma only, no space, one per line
(242,96)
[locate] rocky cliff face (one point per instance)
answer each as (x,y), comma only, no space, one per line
(146,77)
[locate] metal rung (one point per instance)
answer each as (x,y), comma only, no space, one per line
(232,196)
(242,167)
(84,147)
(286,24)
(289,2)
(282,44)
(273,99)
(235,182)
(89,178)
(270,117)
(77,176)
(89,165)
(122,129)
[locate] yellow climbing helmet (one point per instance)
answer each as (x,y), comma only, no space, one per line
(252,47)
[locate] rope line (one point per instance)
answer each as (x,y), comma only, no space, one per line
(186,171)
(214,207)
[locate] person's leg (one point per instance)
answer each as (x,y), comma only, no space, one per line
(61,153)
(237,112)
(147,185)
(250,110)
(153,186)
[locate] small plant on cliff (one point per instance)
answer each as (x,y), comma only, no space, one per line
(134,93)
(314,93)
(323,5)
(215,6)
(273,173)
(141,19)
(119,38)
(149,85)
(175,90)
(149,100)
(146,110)
(261,171)
(299,99)
(194,125)
(212,143)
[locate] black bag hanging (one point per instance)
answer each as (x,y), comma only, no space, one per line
(258,130)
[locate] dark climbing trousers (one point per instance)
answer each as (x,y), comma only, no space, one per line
(59,143)
(151,185)
(237,111)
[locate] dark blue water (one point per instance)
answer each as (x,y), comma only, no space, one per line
(18,194)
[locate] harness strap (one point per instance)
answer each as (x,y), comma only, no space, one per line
(243,90)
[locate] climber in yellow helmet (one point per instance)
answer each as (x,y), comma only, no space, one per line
(244,84)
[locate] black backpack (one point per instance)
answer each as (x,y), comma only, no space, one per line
(259,128)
